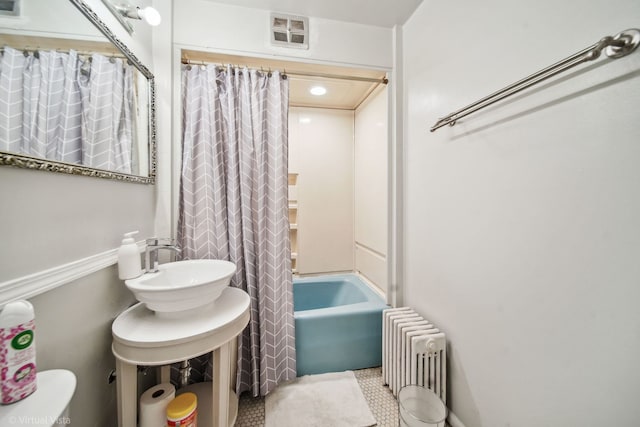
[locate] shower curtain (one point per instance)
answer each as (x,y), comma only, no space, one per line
(64,107)
(234,205)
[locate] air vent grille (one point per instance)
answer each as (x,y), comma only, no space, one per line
(290,31)
(9,7)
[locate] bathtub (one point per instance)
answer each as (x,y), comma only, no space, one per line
(338,322)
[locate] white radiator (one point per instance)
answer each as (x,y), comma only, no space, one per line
(413,352)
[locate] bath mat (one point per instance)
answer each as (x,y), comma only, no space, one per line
(323,400)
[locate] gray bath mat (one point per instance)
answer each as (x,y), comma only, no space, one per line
(332,399)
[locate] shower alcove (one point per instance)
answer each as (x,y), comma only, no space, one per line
(338,165)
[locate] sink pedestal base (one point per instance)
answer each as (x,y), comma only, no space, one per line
(141,338)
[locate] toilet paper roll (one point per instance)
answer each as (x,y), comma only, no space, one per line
(153,405)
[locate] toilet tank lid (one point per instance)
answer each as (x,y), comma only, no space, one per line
(48,402)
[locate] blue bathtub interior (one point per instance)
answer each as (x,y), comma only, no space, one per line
(338,323)
(326,293)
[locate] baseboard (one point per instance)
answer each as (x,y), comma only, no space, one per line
(46,280)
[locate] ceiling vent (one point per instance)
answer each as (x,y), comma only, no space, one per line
(290,31)
(10,7)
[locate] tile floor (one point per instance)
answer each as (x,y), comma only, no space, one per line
(381,402)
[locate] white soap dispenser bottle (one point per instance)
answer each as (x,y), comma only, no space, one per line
(129,258)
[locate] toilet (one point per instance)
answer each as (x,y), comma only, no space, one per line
(48,406)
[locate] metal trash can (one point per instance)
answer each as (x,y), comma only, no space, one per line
(420,407)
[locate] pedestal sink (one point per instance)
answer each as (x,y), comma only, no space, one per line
(182,285)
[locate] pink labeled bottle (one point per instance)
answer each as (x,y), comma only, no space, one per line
(17,351)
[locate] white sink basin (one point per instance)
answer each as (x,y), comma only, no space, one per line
(182,285)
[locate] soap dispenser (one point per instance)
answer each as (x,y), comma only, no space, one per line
(129,258)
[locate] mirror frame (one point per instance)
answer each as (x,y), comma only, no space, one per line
(29,162)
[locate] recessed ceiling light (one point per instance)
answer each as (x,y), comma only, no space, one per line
(304,120)
(318,90)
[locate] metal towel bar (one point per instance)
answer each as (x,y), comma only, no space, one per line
(617,46)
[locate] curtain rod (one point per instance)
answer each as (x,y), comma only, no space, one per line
(79,52)
(382,80)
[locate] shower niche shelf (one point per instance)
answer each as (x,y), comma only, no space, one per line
(293,220)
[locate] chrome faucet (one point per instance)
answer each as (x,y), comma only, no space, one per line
(151,253)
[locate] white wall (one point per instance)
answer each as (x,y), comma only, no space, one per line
(73,331)
(61,19)
(206,25)
(522,237)
(163,60)
(58,18)
(321,145)
(370,187)
(51,219)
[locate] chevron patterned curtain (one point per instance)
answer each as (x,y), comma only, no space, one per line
(67,107)
(234,206)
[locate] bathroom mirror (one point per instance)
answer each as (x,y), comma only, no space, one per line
(73,98)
